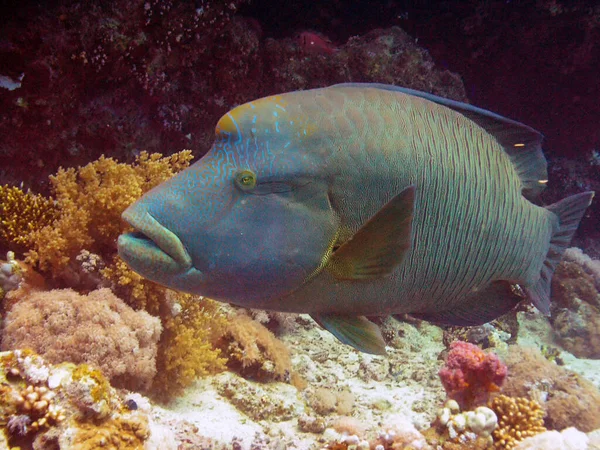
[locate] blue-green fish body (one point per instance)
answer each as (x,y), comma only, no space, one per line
(359,200)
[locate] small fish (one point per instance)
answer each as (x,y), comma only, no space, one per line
(316,43)
(359,200)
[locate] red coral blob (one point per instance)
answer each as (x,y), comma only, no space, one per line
(470,374)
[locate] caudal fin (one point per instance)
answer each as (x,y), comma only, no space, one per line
(569,211)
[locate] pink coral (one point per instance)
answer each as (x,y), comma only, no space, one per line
(97,329)
(470,374)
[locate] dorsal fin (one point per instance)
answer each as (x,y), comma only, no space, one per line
(523,144)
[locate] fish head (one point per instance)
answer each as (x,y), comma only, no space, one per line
(248,222)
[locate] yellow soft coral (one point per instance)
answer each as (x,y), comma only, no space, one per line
(518,418)
(185,349)
(21,213)
(90,200)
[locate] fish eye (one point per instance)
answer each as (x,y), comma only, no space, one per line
(246,180)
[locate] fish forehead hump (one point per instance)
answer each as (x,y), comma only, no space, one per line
(268,118)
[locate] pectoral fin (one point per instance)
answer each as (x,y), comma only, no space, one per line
(380,245)
(356,331)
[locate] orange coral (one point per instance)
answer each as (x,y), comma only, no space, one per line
(122,433)
(518,418)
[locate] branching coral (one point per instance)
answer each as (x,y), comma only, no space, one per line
(89,203)
(518,418)
(98,329)
(22,213)
(186,351)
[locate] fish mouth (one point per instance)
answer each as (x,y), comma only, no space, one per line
(153,240)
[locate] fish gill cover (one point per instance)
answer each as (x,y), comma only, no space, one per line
(130,80)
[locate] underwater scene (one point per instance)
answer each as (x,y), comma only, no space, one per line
(249,225)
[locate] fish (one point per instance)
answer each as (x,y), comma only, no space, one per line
(313,42)
(359,200)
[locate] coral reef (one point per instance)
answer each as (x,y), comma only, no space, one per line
(128,432)
(567,399)
(72,236)
(22,213)
(66,406)
(139,292)
(98,329)
(576,304)
(382,55)
(325,400)
(496,334)
(253,350)
(470,374)
(11,274)
(33,410)
(186,350)
(590,265)
(569,438)
(255,400)
(576,309)
(89,202)
(467,427)
(136,68)
(158,75)
(518,418)
(78,250)
(400,434)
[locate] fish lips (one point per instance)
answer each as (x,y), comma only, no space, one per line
(152,248)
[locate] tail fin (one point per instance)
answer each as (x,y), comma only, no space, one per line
(569,210)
